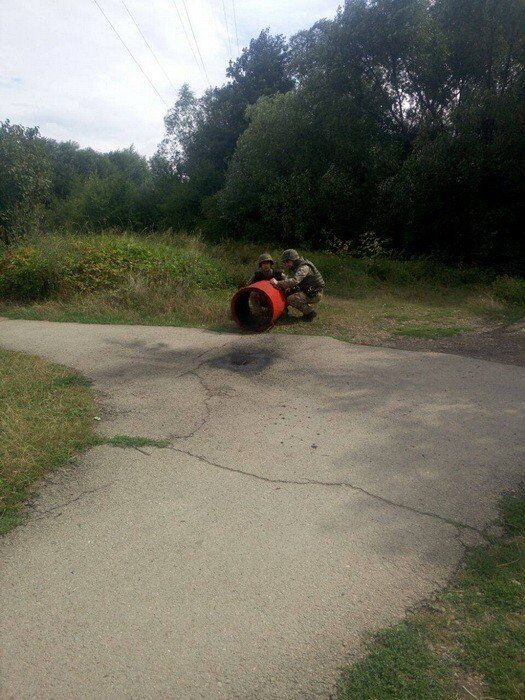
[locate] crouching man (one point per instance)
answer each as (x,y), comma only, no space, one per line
(303,284)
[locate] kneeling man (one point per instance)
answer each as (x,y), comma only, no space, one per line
(303,283)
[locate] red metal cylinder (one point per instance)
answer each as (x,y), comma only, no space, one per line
(257,307)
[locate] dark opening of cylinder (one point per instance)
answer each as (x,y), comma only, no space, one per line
(253,310)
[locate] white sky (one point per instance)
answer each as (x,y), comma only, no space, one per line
(63,69)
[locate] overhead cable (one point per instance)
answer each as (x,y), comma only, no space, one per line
(148,45)
(130,53)
(235,25)
(196,42)
(188,40)
(227,29)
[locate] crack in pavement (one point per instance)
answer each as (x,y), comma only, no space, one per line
(193,371)
(45,513)
(139,449)
(330,484)
(298,482)
(207,409)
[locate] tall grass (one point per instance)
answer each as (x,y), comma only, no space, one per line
(66,265)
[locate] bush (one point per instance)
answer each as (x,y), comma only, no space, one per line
(67,265)
(103,262)
(509,290)
(26,275)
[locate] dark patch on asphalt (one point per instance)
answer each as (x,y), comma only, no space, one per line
(141,359)
(245,360)
(157,352)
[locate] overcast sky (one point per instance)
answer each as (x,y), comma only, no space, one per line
(63,69)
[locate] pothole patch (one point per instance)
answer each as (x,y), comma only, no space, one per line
(245,361)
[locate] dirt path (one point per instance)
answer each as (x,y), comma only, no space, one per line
(311,491)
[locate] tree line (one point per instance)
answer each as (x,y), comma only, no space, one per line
(398,125)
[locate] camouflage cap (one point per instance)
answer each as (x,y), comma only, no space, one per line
(290,254)
(265,257)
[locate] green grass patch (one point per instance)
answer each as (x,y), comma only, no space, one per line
(126,441)
(468,642)
(46,417)
(399,665)
(72,380)
(428,332)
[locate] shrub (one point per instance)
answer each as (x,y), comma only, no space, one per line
(68,265)
(509,290)
(26,275)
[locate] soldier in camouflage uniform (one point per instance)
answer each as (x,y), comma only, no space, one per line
(303,283)
(265,270)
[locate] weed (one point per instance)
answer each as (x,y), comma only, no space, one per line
(510,290)
(125,441)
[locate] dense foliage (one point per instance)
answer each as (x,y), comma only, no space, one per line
(65,266)
(397,125)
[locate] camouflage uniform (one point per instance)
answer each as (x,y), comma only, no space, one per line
(258,304)
(305,284)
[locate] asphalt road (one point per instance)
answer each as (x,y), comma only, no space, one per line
(311,492)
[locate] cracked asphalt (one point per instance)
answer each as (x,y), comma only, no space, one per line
(311,491)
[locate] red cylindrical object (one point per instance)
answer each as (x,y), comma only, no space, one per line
(257,307)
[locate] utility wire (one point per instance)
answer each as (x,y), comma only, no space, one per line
(196,42)
(235,25)
(131,54)
(227,29)
(148,45)
(188,40)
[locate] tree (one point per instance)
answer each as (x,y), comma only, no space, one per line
(201,133)
(460,196)
(406,118)
(181,123)
(25,179)
(267,189)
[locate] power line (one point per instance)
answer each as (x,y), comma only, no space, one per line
(130,53)
(235,25)
(188,40)
(196,42)
(227,28)
(148,45)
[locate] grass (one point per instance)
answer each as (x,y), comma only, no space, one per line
(468,642)
(181,281)
(46,417)
(127,441)
(428,331)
